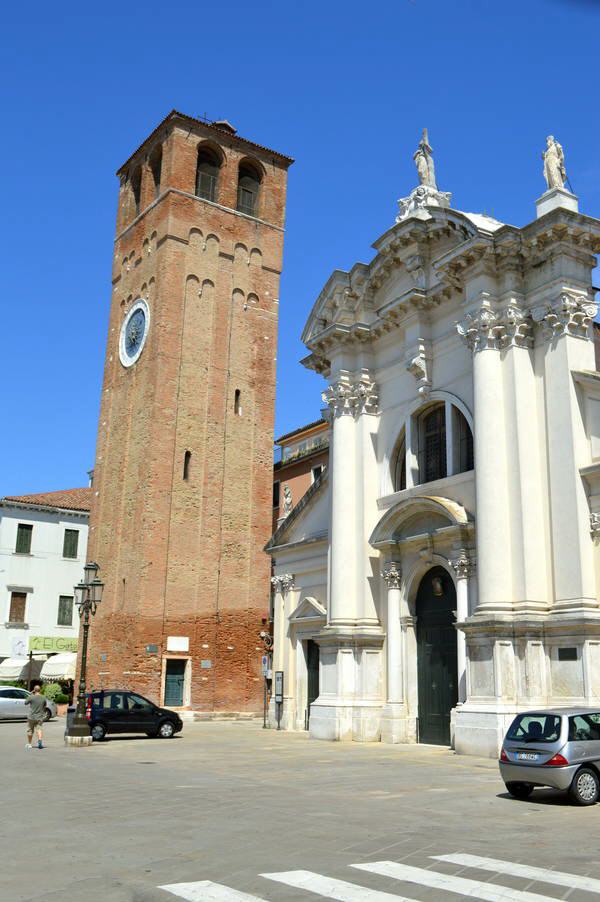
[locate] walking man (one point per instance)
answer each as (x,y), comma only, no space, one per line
(35,718)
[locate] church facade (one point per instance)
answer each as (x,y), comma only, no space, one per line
(443,573)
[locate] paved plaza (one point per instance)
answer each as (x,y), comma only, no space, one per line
(235,812)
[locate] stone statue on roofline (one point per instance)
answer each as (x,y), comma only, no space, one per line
(426,194)
(554,164)
(423,157)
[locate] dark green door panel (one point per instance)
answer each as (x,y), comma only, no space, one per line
(312,664)
(174,683)
(436,651)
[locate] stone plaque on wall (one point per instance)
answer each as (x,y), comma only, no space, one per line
(178,643)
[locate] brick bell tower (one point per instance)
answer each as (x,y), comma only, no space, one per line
(183,474)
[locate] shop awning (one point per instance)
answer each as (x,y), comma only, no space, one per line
(18,668)
(60,667)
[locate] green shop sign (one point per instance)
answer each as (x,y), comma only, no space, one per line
(52,643)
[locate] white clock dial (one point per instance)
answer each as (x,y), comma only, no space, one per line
(134,332)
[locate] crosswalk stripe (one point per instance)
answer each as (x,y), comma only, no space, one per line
(460,885)
(207,891)
(559,878)
(334,889)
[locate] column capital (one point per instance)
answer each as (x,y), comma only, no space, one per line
(571,314)
(491,329)
(517,327)
(392,575)
(595,525)
(481,330)
(352,395)
(282,583)
(463,566)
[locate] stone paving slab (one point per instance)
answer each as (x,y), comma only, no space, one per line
(229,802)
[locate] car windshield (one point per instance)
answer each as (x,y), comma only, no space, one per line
(535,728)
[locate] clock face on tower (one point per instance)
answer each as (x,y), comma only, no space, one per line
(134,332)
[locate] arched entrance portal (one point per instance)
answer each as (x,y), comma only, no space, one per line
(436,655)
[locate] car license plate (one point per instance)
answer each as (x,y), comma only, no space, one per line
(527,756)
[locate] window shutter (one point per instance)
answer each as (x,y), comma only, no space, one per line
(71,543)
(24,532)
(65,610)
(17,607)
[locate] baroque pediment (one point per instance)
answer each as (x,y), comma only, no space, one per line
(372,298)
(308,609)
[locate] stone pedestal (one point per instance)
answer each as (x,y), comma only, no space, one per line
(556,198)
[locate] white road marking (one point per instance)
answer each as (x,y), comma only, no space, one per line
(460,885)
(207,891)
(559,878)
(333,889)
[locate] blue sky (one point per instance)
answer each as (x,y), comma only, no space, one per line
(345,88)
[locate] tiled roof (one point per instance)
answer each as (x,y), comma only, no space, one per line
(299,430)
(175,114)
(67,499)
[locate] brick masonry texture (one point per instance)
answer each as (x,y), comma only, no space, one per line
(184,557)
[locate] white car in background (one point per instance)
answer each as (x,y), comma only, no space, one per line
(13,707)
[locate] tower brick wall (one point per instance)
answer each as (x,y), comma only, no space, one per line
(182,557)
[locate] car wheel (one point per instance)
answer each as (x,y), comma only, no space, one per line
(520,790)
(585,788)
(47,715)
(166,730)
(98,732)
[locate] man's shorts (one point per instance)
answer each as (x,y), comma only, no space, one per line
(34,725)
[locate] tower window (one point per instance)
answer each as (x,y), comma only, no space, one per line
(156,168)
(248,189)
(276,485)
(237,404)
(187,459)
(136,187)
(207,174)
(316,472)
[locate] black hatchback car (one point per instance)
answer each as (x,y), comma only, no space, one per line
(121,711)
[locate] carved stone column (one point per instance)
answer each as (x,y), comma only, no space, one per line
(392,576)
(526,488)
(484,332)
(394,717)
(463,567)
(565,346)
(347,399)
(281,585)
(283,656)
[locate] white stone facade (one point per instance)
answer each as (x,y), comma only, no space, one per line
(43,574)
(489,325)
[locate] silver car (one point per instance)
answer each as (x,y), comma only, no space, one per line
(559,748)
(13,707)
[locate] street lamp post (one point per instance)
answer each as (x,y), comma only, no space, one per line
(88,595)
